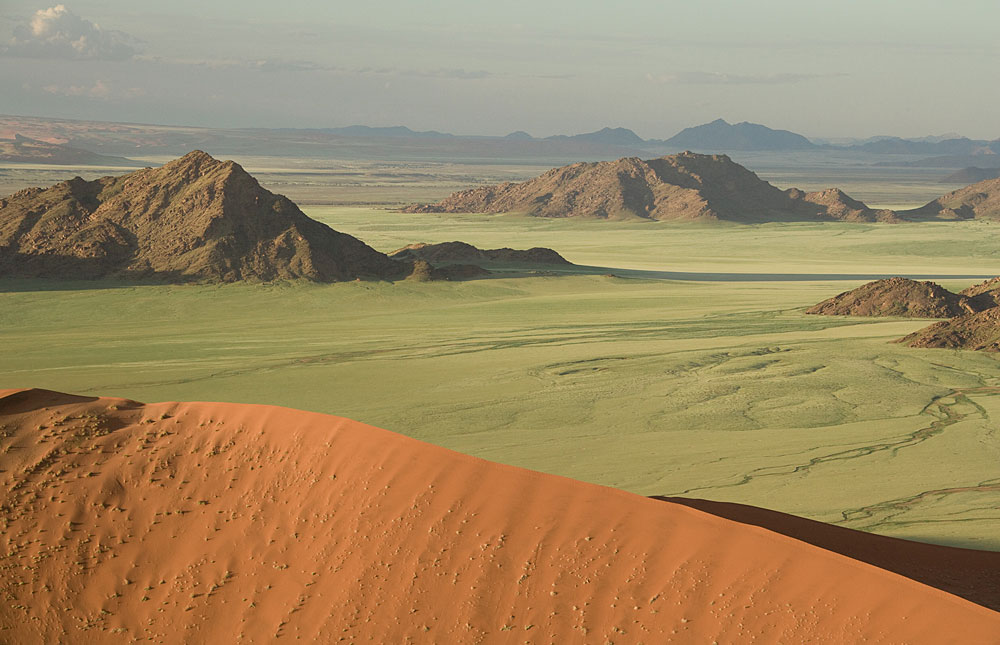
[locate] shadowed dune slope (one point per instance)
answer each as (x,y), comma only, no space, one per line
(972,574)
(194,522)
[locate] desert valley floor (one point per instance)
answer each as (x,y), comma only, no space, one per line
(674,359)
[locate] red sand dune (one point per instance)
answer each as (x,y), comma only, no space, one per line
(194,522)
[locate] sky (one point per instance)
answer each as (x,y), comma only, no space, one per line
(824,68)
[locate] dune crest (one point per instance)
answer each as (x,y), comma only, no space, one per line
(212,521)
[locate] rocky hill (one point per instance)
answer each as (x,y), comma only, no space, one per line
(977,331)
(457,252)
(978,201)
(897,297)
(675,187)
(195,218)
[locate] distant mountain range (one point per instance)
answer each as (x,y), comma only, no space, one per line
(971,175)
(722,136)
(110,143)
(607,136)
(21,149)
(394,131)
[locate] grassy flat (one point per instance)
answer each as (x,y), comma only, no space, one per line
(715,389)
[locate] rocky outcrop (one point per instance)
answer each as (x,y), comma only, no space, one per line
(459,252)
(685,186)
(896,297)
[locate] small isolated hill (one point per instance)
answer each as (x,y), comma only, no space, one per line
(979,331)
(22,149)
(722,136)
(458,252)
(896,297)
(211,522)
(195,218)
(675,187)
(978,201)
(519,135)
(971,175)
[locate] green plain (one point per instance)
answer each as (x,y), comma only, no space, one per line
(714,388)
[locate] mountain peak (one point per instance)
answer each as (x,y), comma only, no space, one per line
(194,218)
(720,135)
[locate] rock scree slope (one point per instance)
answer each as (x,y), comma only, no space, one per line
(977,331)
(202,522)
(897,297)
(676,187)
(195,218)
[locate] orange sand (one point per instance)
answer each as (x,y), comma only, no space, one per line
(200,522)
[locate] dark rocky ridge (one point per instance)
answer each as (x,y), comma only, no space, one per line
(458,252)
(675,187)
(193,219)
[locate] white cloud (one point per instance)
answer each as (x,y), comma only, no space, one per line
(100,90)
(57,32)
(719,78)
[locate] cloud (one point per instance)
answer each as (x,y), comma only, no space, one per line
(100,90)
(718,78)
(59,33)
(271,65)
(455,73)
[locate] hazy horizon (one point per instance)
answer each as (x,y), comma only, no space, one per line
(838,70)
